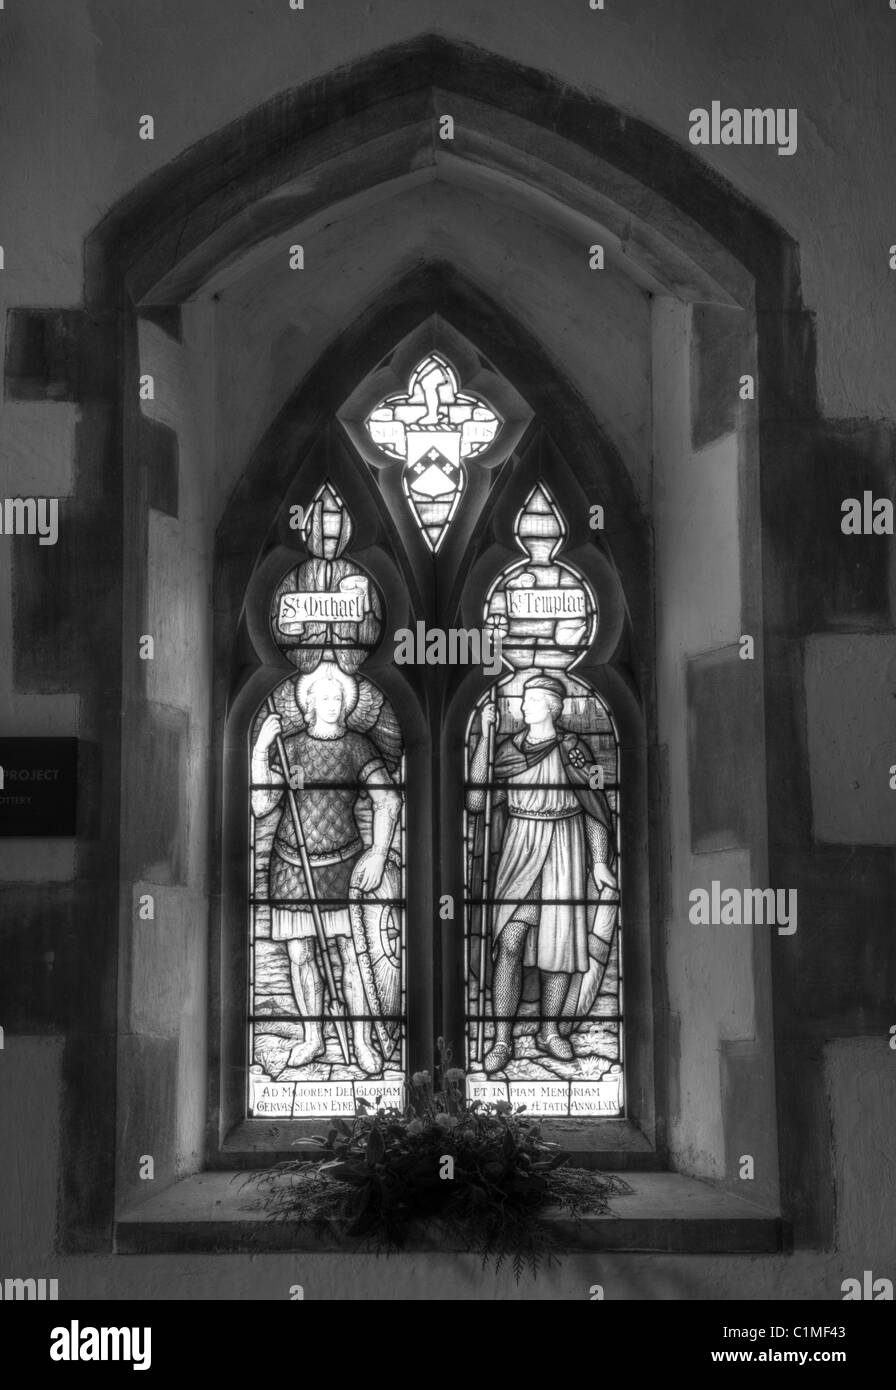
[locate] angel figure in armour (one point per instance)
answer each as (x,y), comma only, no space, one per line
(340,731)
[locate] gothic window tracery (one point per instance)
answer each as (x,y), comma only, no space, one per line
(543,958)
(327,848)
(329,854)
(433,428)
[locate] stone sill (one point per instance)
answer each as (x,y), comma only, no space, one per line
(666,1213)
(610,1145)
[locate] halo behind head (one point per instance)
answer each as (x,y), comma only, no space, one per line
(328,671)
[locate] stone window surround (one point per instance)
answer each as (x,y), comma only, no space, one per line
(133,243)
(435,983)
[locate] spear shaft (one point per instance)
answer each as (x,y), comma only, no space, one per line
(485,919)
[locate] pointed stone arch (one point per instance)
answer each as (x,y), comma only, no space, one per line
(685,237)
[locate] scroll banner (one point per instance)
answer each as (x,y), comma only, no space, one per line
(546,603)
(348,604)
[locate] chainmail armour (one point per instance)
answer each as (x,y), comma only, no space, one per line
(328,821)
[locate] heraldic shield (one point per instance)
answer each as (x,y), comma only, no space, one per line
(376,934)
(433,428)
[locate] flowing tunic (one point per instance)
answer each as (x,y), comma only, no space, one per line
(544,856)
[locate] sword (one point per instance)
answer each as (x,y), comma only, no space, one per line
(334,1004)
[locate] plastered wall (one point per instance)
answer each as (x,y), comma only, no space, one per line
(74,78)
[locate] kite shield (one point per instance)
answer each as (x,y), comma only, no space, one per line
(376,935)
(584,988)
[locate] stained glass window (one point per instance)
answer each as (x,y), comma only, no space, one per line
(326,848)
(432,429)
(542,904)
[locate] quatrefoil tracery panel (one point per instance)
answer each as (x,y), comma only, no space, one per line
(432,429)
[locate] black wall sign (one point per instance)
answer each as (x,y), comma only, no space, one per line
(38,786)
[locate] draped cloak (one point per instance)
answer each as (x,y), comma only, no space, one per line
(544,853)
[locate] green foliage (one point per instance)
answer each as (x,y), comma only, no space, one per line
(379,1179)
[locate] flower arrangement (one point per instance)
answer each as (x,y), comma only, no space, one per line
(482,1171)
